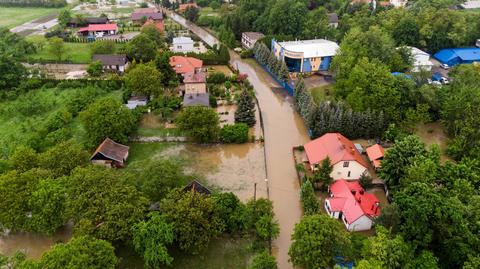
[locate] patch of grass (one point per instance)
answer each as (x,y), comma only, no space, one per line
(208,11)
(160,131)
(432,133)
(144,151)
(322,93)
(14,16)
(78,53)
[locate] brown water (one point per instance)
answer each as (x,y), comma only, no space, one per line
(33,245)
(234,168)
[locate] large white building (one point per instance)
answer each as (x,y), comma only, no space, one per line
(421,60)
(305,56)
(183,44)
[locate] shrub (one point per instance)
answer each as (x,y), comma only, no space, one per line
(216,78)
(236,133)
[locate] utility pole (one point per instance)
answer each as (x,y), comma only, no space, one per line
(255,191)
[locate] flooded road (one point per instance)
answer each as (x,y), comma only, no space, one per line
(284,129)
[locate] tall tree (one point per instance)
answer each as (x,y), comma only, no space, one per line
(144,79)
(141,49)
(57,47)
(245,112)
(200,123)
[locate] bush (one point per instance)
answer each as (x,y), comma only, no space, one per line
(236,133)
(309,201)
(246,54)
(216,78)
(263,260)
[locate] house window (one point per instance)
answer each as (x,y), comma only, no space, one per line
(345,164)
(348,174)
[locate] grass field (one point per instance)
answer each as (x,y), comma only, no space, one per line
(208,11)
(78,53)
(14,16)
(321,93)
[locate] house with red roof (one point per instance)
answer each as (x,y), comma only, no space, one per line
(350,203)
(183,64)
(347,162)
(99,29)
(375,154)
(184,7)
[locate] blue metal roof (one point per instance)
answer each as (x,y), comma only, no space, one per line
(458,55)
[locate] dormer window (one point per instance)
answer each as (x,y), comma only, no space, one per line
(346,164)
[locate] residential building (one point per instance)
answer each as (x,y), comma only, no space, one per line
(421,60)
(183,64)
(80,22)
(350,203)
(195,82)
(183,44)
(305,56)
(347,162)
(333,20)
(456,56)
(116,63)
(135,101)
(99,30)
(146,14)
(184,7)
(158,24)
(250,38)
(375,154)
(110,154)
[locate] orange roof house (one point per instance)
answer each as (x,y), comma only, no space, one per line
(158,24)
(349,202)
(376,153)
(184,7)
(183,65)
(347,162)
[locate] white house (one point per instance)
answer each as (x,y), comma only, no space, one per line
(349,202)
(183,44)
(250,38)
(347,162)
(421,60)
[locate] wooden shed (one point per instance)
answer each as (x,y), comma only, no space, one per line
(110,154)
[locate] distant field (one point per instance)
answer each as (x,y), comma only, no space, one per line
(14,16)
(78,53)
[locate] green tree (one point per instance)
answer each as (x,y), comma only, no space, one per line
(23,159)
(152,32)
(97,210)
(245,112)
(107,117)
(309,200)
(141,49)
(232,212)
(317,240)
(194,218)
(236,133)
(64,17)
(169,77)
(144,79)
(191,13)
(103,47)
(200,123)
(95,69)
(80,252)
(472,262)
(55,159)
(151,239)
(263,260)
(157,178)
(322,174)
(56,47)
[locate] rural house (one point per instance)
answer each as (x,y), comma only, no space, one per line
(453,57)
(110,154)
(158,24)
(250,38)
(183,44)
(79,22)
(141,15)
(195,186)
(183,65)
(375,154)
(349,202)
(347,162)
(116,63)
(99,30)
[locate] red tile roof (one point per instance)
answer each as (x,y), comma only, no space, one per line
(334,145)
(184,7)
(99,27)
(195,77)
(375,153)
(353,201)
(112,150)
(183,65)
(159,24)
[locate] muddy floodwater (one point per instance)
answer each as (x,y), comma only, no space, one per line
(234,168)
(33,245)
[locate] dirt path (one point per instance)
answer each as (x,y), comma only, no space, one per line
(283,130)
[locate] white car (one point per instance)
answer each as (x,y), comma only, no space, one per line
(429,81)
(445,66)
(444,80)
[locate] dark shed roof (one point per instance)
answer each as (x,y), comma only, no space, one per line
(112,150)
(332,18)
(196,187)
(106,59)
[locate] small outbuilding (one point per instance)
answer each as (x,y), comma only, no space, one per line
(195,186)
(457,56)
(116,63)
(136,101)
(375,154)
(110,154)
(197,99)
(183,44)
(250,38)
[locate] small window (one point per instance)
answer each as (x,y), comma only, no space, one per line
(346,164)
(348,174)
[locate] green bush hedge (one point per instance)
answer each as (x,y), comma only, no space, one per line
(236,133)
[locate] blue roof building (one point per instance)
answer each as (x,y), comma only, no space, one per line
(458,56)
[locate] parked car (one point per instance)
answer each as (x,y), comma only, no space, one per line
(444,80)
(429,81)
(445,66)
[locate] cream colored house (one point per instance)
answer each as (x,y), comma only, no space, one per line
(347,162)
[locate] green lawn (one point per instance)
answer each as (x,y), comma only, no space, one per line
(143,151)
(208,11)
(222,253)
(14,16)
(78,53)
(322,93)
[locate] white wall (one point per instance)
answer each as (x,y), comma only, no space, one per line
(340,172)
(363,223)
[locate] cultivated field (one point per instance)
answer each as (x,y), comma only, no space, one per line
(14,16)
